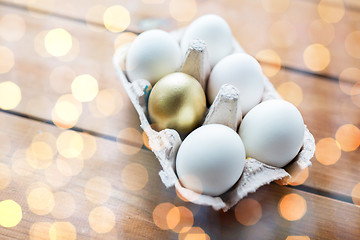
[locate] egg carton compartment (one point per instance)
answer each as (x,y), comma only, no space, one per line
(165,143)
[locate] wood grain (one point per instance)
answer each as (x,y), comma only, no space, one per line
(324,218)
(324,106)
(287,27)
(32,72)
(320,106)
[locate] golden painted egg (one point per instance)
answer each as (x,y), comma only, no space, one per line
(177,101)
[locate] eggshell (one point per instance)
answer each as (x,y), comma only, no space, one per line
(242,71)
(152,55)
(165,144)
(211,159)
(273,132)
(177,101)
(215,32)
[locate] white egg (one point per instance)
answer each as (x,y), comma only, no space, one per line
(273,132)
(215,32)
(242,71)
(210,160)
(152,55)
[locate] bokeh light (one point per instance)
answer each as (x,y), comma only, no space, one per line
(291,92)
(7,60)
(173,217)
(349,81)
(64,205)
(327,151)
(160,214)
(58,42)
(348,136)
(248,211)
(178,194)
(39,44)
(145,139)
(183,10)
(352,45)
(292,207)
(39,155)
(331,11)
(70,166)
(46,137)
(297,238)
(70,144)
(40,200)
(40,230)
(134,176)
(316,57)
(98,190)
(61,78)
(127,147)
(116,18)
(101,219)
(41,150)
(180,219)
(66,111)
(300,177)
(355,194)
(73,52)
(195,233)
(108,102)
(10,94)
(84,88)
(321,32)
(12,27)
(62,231)
(283,34)
(275,6)
(90,146)
(271,60)
(10,213)
(123,39)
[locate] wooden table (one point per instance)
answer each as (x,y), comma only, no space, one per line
(81,170)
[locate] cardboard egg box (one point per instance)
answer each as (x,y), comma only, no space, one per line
(224,110)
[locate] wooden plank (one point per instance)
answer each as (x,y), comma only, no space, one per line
(132,209)
(42,83)
(286,27)
(325,107)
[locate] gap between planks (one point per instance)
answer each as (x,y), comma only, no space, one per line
(308,189)
(82,21)
(303,188)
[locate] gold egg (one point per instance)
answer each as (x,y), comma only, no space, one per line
(177,101)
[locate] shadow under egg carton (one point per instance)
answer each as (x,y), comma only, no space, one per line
(224,111)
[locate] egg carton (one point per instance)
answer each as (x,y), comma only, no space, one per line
(224,111)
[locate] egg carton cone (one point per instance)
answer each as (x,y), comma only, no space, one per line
(224,110)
